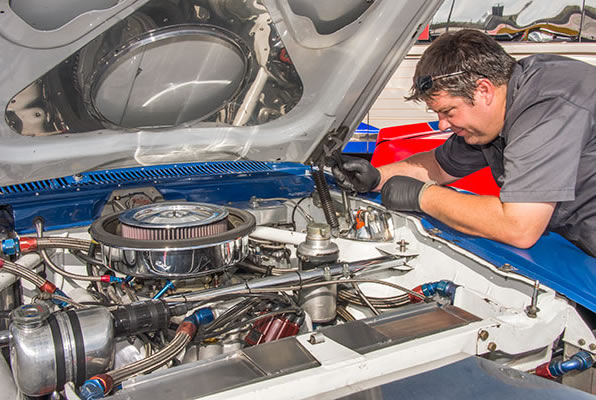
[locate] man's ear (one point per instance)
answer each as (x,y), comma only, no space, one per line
(485,91)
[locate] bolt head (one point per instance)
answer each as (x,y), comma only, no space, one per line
(483,335)
(316,338)
(492,346)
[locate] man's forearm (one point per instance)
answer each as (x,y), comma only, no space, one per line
(486,216)
(422,166)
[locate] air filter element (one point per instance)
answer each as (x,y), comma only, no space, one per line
(174,221)
(173,239)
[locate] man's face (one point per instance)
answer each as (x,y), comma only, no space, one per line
(478,123)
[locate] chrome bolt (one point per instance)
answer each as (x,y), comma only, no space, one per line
(532,310)
(403,245)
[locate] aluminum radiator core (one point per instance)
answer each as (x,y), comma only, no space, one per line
(173,240)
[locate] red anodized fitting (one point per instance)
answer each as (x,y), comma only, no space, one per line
(27,244)
(187,327)
(416,299)
(48,287)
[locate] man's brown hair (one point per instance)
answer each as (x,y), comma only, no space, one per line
(455,61)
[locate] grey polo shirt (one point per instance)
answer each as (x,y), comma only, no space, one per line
(546,151)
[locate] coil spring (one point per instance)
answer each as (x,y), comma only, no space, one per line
(325,196)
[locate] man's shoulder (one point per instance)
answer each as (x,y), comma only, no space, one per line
(553,68)
(550,76)
(545,60)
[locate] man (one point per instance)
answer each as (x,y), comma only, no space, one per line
(533,121)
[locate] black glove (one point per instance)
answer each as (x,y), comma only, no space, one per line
(353,173)
(403,193)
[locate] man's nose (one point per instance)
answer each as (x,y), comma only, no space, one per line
(444,125)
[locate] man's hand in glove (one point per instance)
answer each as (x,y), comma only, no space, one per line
(353,173)
(403,193)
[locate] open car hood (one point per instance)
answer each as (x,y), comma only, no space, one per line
(110,83)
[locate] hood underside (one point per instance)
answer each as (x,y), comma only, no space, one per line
(113,83)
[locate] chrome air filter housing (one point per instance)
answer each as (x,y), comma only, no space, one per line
(173,239)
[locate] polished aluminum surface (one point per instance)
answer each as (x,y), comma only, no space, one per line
(199,379)
(296,277)
(30,316)
(318,247)
(176,263)
(320,303)
(33,352)
(4,338)
(191,251)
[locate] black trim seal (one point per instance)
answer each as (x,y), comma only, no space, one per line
(58,352)
(80,364)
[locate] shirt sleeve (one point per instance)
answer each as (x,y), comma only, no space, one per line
(543,150)
(458,158)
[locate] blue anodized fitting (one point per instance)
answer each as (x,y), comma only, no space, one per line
(92,389)
(60,303)
(11,247)
(443,288)
(579,361)
(202,316)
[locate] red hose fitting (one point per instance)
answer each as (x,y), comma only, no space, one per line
(1,263)
(416,299)
(48,287)
(27,244)
(544,371)
(188,328)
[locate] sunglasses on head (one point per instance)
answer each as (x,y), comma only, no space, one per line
(424,83)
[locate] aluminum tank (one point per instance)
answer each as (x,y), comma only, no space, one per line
(48,350)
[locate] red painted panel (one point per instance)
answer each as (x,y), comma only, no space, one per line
(425,35)
(397,143)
